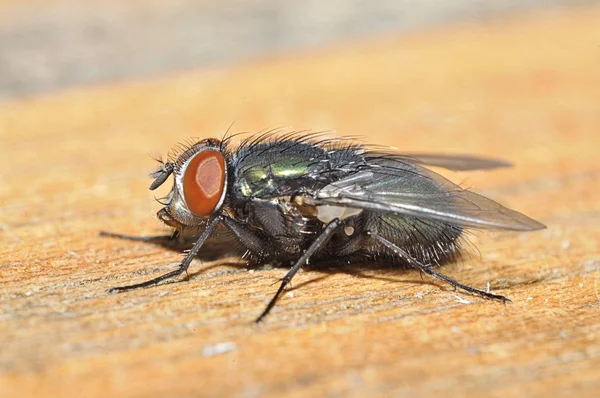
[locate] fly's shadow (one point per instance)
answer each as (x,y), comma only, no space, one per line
(216,248)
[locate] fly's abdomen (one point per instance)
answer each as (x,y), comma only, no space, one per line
(428,241)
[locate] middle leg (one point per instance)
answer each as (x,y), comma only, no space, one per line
(314,247)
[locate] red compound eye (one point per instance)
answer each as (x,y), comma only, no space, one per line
(204,182)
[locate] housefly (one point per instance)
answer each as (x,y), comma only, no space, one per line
(301,198)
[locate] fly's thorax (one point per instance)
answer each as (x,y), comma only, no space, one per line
(281,168)
(261,179)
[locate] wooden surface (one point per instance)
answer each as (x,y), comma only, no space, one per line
(525,89)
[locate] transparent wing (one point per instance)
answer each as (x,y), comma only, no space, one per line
(391,185)
(450,162)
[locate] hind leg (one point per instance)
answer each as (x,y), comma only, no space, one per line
(432,272)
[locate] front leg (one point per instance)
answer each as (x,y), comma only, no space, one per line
(184,264)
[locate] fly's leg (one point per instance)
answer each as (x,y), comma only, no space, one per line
(249,239)
(314,247)
(184,264)
(430,271)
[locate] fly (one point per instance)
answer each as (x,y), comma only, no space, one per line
(301,198)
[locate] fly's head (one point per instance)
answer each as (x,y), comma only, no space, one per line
(199,184)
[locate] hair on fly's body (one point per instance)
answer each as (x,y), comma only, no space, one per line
(300,198)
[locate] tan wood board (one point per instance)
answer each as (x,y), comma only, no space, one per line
(525,89)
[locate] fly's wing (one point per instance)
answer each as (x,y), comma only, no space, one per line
(450,162)
(402,187)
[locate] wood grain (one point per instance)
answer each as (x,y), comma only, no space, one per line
(74,163)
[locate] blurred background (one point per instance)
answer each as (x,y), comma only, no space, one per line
(49,45)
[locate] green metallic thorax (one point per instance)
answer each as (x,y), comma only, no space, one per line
(282,175)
